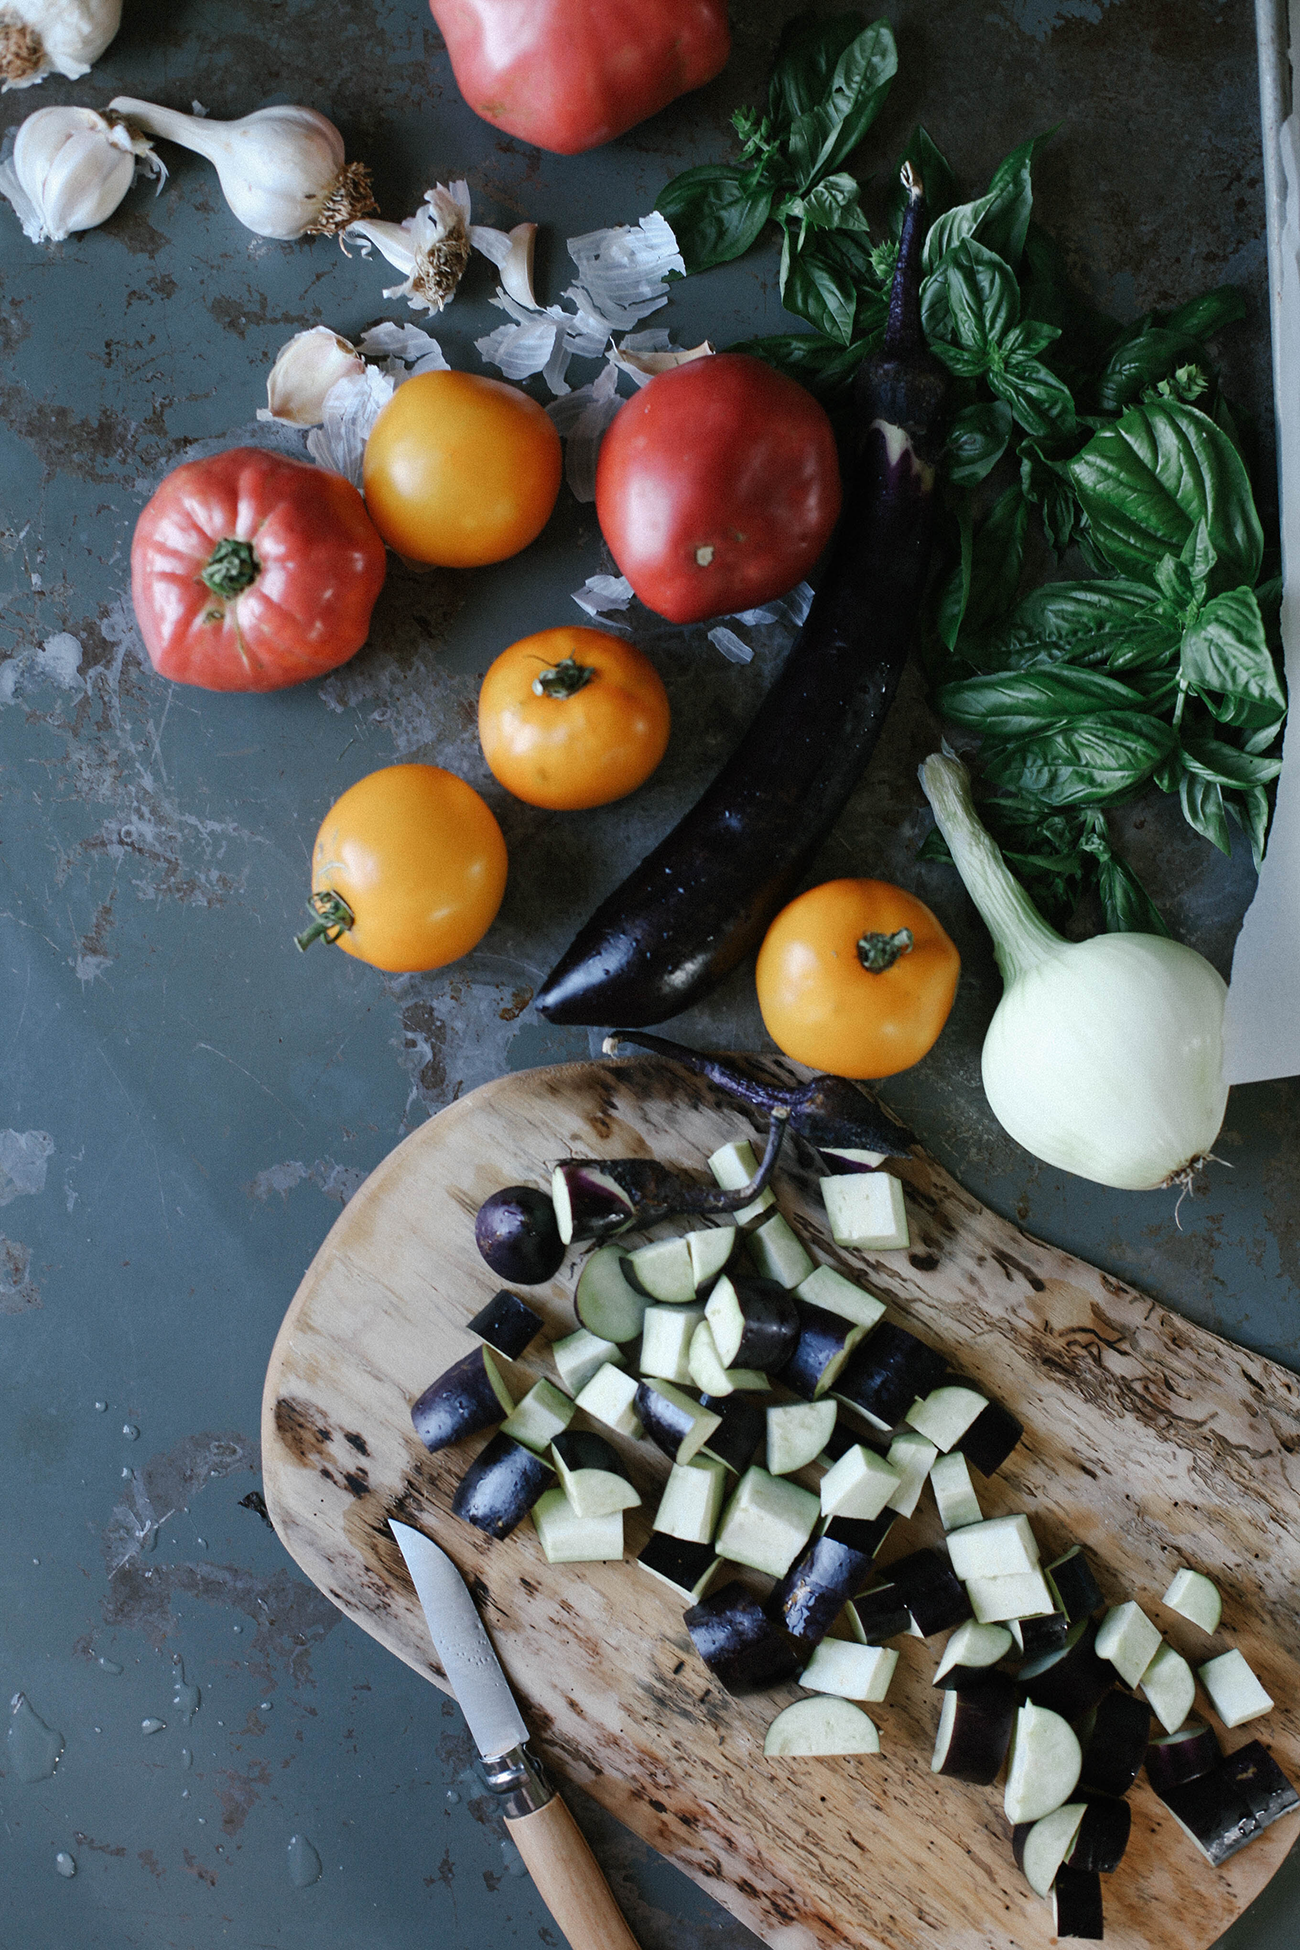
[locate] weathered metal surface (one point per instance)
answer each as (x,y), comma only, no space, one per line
(191,1101)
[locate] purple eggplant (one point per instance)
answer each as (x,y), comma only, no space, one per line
(594,1198)
(1173,1759)
(1076,1904)
(468,1397)
(516,1233)
(686,1567)
(975,1730)
(822,1346)
(739,1644)
(740,1434)
(816,1588)
(990,1438)
(1103,1835)
(1070,1679)
(1077,1591)
(887,1372)
(755,1323)
(1214,1812)
(1256,1776)
(507,1324)
(702,901)
(1115,1744)
(501,1486)
(931,1590)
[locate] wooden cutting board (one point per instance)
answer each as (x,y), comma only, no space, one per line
(1147,1440)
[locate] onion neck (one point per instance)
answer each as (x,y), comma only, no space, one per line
(1021,937)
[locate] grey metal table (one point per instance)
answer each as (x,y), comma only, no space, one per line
(186,1103)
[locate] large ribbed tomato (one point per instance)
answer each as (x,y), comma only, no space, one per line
(250,571)
(717,487)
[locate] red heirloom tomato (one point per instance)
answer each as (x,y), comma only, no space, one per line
(717,487)
(571,74)
(250,571)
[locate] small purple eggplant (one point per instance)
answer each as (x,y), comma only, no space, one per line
(516,1233)
(594,1198)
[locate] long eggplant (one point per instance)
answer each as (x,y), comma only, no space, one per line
(702,901)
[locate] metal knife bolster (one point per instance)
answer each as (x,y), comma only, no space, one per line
(519,1782)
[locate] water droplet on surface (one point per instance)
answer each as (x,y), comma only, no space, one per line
(36,1560)
(237,1629)
(101,1406)
(202,1543)
(127,1473)
(130,1431)
(304,1863)
(64,1863)
(453,1799)
(185,1697)
(265,1705)
(34,1748)
(152,1726)
(109,1665)
(187,1760)
(513,1860)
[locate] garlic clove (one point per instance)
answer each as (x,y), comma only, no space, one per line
(282,170)
(512,253)
(304,371)
(70,169)
(643,366)
(40,37)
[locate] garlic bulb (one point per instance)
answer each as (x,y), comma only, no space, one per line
(282,170)
(70,169)
(40,37)
(304,371)
(431,249)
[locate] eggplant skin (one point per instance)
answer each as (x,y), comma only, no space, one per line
(461,1402)
(743,1649)
(501,1486)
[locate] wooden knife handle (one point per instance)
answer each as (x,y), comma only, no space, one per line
(568,1878)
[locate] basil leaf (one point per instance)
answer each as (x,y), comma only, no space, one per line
(1040,401)
(1017,704)
(1225,652)
(1201,317)
(1146,481)
(832,205)
(977,441)
(824,366)
(806,58)
(955,594)
(1141,362)
(716,213)
(1198,557)
(1118,624)
(1250,808)
(1050,492)
(999,218)
(820,282)
(959,359)
(983,298)
(1202,803)
(825,134)
(1030,336)
(1085,763)
(1128,907)
(997,556)
(939,183)
(1212,758)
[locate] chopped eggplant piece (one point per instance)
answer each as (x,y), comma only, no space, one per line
(931,1591)
(692,1500)
(708,1373)
(996,1601)
(973,1647)
(578,1356)
(913,1457)
(733,1165)
(1070,1680)
(545,1412)
(998,1547)
(501,1486)
(1256,1776)
(687,1569)
(858,1533)
(661,1271)
(813,1592)
(1040,1847)
(860,1484)
(823,1345)
(1194,1597)
(1103,1836)
(754,1323)
(743,1649)
(516,1233)
(604,1302)
(826,1288)
(860,1672)
(591,1474)
(945,1414)
(507,1323)
(879,1614)
(778,1253)
(469,1397)
(1045,1634)
(666,1334)
(610,1397)
(595,1198)
(975,1730)
(1216,1815)
(991,1438)
(1173,1759)
(1116,1743)
(797,1433)
(767,1523)
(1235,1693)
(710,1250)
(673,1421)
(567,1538)
(1077,1592)
(1170,1685)
(867,1211)
(824,1725)
(1076,1904)
(739,1433)
(886,1374)
(1129,1640)
(954,1493)
(836,1157)
(1045,1763)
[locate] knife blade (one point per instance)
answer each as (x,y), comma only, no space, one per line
(563,1868)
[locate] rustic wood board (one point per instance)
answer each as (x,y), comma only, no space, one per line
(1147,1440)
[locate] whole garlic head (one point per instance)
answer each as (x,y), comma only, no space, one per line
(70,169)
(40,37)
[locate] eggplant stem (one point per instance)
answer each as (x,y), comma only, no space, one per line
(764,1096)
(903,336)
(878,952)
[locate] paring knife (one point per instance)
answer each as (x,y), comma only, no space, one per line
(566,1873)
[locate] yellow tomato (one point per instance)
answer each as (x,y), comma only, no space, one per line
(856,977)
(461,470)
(572,717)
(418,859)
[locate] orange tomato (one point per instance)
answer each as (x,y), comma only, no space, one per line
(418,859)
(461,470)
(572,717)
(823,1001)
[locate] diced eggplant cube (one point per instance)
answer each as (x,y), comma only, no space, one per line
(754,1323)
(860,1534)
(1069,1679)
(887,1372)
(666,1334)
(954,1493)
(1076,1905)
(1214,1813)
(1253,1773)
(878,1614)
(945,1414)
(823,1344)
(1024,1594)
(1116,1743)
(852,1156)
(710,1249)
(1040,1847)
(692,1500)
(591,1474)
(1045,1763)
(743,1649)
(974,1733)
(1173,1759)
(733,1165)
(767,1522)
(590,1200)
(913,1456)
(1129,1640)
(507,1324)
(826,1288)
(1170,1685)
(739,1433)
(687,1569)
(673,1421)
(545,1412)
(579,1355)
(662,1271)
(931,1591)
(469,1397)
(1071,1578)
(973,1646)
(860,1672)
(797,1433)
(609,1397)
(708,1373)
(501,1486)
(1103,1837)
(867,1211)
(1235,1693)
(778,1253)
(821,1726)
(813,1592)
(860,1484)
(997,1547)
(990,1439)
(567,1538)
(604,1301)
(1047,1634)
(1195,1597)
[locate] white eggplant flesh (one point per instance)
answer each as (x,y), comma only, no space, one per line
(1235,1692)
(778,1254)
(708,1373)
(826,1288)
(996,1601)
(692,1500)
(1129,1640)
(1048,1844)
(954,1493)
(666,1334)
(850,1670)
(797,1432)
(913,1456)
(663,1271)
(1196,1598)
(974,1645)
(567,1538)
(608,1398)
(592,1489)
(578,1355)
(866,1211)
(997,1547)
(1045,1763)
(604,1301)
(946,1413)
(767,1523)
(544,1412)
(860,1484)
(821,1726)
(733,1165)
(710,1249)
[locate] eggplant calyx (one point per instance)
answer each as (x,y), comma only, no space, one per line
(878,952)
(333,918)
(564,679)
(231,568)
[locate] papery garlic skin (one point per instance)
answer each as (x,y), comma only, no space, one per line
(283,171)
(304,371)
(431,248)
(40,37)
(70,169)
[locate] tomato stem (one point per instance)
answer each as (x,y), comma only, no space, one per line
(231,568)
(333,918)
(564,679)
(877,952)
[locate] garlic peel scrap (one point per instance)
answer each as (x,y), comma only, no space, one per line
(305,370)
(40,37)
(431,249)
(70,169)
